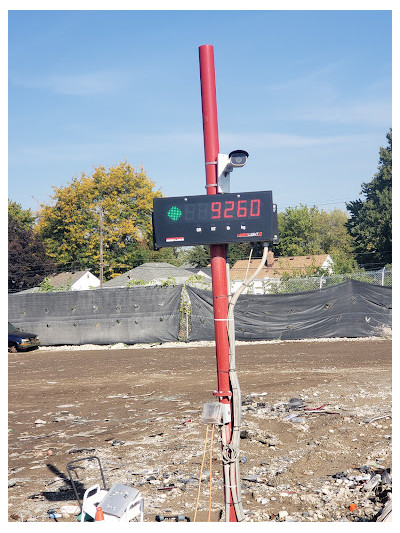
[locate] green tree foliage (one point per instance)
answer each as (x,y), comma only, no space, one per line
(198,256)
(306,231)
(343,262)
(28,263)
(332,232)
(242,251)
(299,231)
(302,231)
(69,226)
(24,217)
(370,222)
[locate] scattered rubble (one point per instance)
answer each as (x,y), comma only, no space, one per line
(314,447)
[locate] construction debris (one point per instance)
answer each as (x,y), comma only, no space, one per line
(307,471)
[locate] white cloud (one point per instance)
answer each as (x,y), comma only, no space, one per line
(309,79)
(368,112)
(281,140)
(86,84)
(126,144)
(319,96)
(167,143)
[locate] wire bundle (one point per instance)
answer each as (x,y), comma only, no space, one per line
(230,452)
(201,473)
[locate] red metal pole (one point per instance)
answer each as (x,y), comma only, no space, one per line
(217,251)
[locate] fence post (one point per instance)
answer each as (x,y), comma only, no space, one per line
(383,276)
(320,282)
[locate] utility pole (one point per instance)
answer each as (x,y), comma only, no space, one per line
(217,251)
(101,246)
(215,219)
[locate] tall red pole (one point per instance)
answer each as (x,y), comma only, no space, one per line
(217,251)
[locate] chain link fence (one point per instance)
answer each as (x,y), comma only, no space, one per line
(381,277)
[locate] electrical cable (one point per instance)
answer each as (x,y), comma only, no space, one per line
(74,267)
(201,473)
(231,452)
(211,450)
(248,262)
(227,482)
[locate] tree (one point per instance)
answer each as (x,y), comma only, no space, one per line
(302,231)
(370,222)
(70,225)
(28,263)
(332,232)
(298,231)
(24,217)
(199,256)
(306,230)
(343,262)
(336,240)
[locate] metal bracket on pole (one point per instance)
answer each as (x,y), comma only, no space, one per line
(224,169)
(211,184)
(222,394)
(224,183)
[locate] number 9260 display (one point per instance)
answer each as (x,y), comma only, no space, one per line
(236,209)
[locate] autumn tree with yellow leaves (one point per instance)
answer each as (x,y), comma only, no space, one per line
(70,230)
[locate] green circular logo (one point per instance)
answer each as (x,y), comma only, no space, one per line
(174,213)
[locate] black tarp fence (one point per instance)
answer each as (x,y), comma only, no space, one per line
(350,309)
(128,315)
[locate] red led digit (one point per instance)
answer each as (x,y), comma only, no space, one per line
(229,209)
(255,208)
(216,209)
(241,209)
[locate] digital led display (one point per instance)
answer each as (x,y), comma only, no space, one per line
(215,219)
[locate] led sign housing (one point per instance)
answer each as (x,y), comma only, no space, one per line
(215,219)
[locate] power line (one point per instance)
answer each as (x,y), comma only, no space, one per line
(335,201)
(168,267)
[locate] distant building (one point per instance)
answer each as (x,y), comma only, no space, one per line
(276,268)
(155,273)
(80,280)
(199,271)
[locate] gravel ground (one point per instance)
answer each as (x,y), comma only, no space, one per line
(316,432)
(196,344)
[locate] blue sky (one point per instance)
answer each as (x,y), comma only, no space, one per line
(306,93)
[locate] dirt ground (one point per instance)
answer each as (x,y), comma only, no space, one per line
(139,411)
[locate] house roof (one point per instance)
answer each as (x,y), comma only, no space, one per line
(148,272)
(61,280)
(197,270)
(66,278)
(239,269)
(281,265)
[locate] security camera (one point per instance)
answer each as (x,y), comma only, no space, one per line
(225,164)
(238,158)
